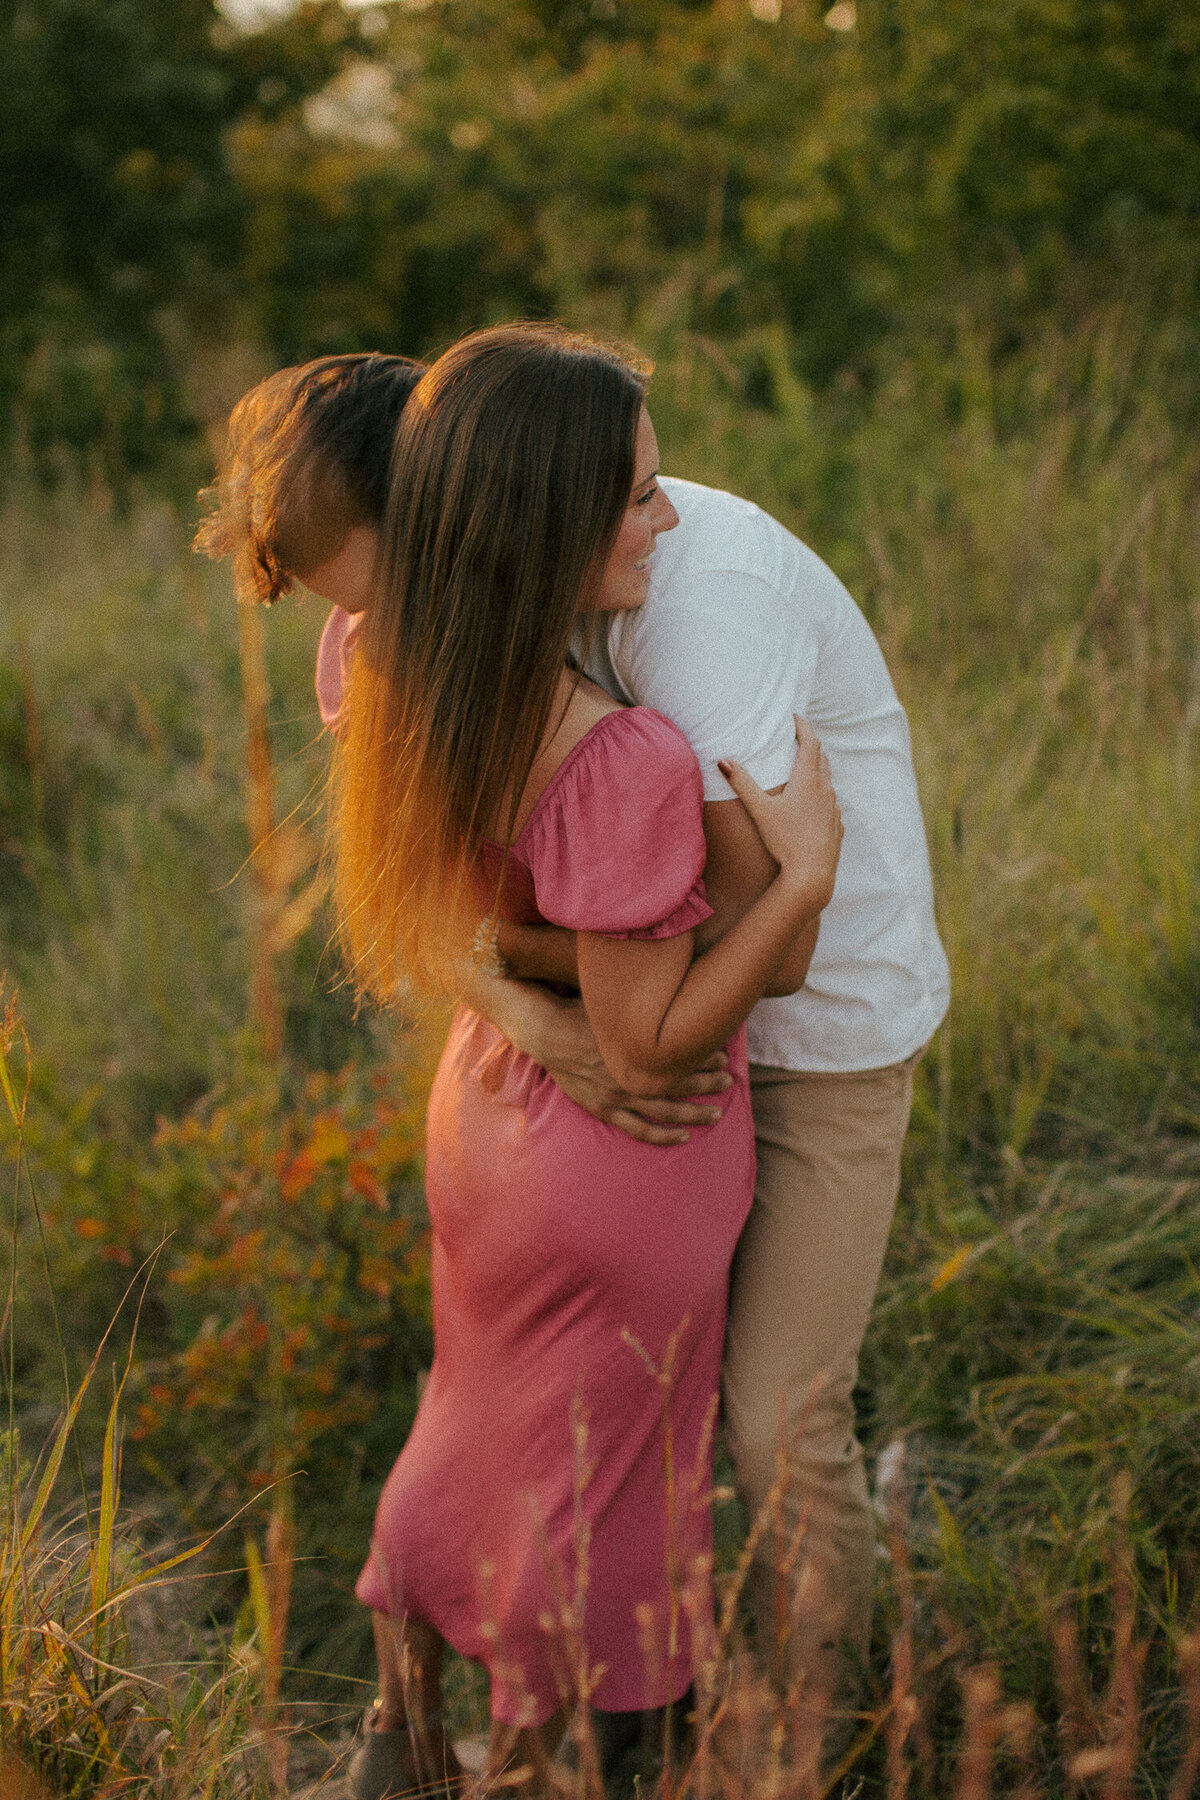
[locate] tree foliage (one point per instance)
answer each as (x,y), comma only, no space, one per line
(122,223)
(721,169)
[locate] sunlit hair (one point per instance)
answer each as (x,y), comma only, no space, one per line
(305,460)
(511,473)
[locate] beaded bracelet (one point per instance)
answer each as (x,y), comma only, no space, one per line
(485,949)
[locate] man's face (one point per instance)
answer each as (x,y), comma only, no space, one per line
(345,579)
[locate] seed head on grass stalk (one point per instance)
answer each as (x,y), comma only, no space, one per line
(577,1677)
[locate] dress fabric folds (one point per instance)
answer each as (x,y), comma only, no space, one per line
(579,1292)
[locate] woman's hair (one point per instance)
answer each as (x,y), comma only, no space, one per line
(306,459)
(511,473)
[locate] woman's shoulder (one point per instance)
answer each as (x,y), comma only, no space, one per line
(616,841)
(625,757)
(639,737)
(591,730)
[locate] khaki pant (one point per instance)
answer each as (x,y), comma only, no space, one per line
(804,1278)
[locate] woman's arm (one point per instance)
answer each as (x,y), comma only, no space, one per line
(654,1006)
(738,869)
(555,1033)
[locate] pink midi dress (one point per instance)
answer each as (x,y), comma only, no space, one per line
(579,1292)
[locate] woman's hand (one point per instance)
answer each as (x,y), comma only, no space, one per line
(801,825)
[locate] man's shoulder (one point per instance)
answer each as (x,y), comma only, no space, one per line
(708,516)
(722,535)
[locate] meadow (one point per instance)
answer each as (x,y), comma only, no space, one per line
(1022,531)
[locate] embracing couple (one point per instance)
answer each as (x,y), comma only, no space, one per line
(600,738)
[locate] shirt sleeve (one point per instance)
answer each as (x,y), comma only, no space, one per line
(617,846)
(335,653)
(730,664)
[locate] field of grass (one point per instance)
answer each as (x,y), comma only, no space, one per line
(1027,545)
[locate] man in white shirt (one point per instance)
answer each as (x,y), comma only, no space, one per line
(744,627)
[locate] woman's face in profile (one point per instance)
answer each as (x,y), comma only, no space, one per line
(345,579)
(625,581)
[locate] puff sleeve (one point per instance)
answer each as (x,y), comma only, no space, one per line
(616,844)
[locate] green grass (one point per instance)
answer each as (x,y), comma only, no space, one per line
(1022,532)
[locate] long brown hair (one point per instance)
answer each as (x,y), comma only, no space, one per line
(306,458)
(511,472)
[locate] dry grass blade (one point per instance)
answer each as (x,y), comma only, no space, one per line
(904,1705)
(1187,1775)
(1018,1726)
(12,1026)
(17,1783)
(45,1488)
(981,1733)
(1122,1708)
(110,1477)
(281,1562)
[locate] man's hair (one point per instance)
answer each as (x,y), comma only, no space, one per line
(512,471)
(306,459)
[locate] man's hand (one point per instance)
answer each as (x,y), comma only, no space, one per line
(665,1121)
(555,1033)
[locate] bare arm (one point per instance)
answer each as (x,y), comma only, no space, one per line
(655,1009)
(740,868)
(555,1032)
(540,953)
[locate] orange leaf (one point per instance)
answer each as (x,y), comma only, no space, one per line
(952,1268)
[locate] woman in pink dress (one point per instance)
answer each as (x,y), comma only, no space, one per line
(548,1514)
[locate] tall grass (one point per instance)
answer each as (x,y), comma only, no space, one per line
(1023,533)
(125,903)
(1021,527)
(80,1708)
(75,1706)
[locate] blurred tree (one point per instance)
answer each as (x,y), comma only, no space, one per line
(492,159)
(1014,143)
(704,174)
(120,220)
(710,168)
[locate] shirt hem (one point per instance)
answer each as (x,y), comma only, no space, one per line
(879,1056)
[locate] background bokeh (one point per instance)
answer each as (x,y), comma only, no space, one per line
(785,190)
(922,279)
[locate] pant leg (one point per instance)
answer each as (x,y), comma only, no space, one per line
(803,1282)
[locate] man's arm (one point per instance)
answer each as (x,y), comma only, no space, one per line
(555,1033)
(740,868)
(731,665)
(540,953)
